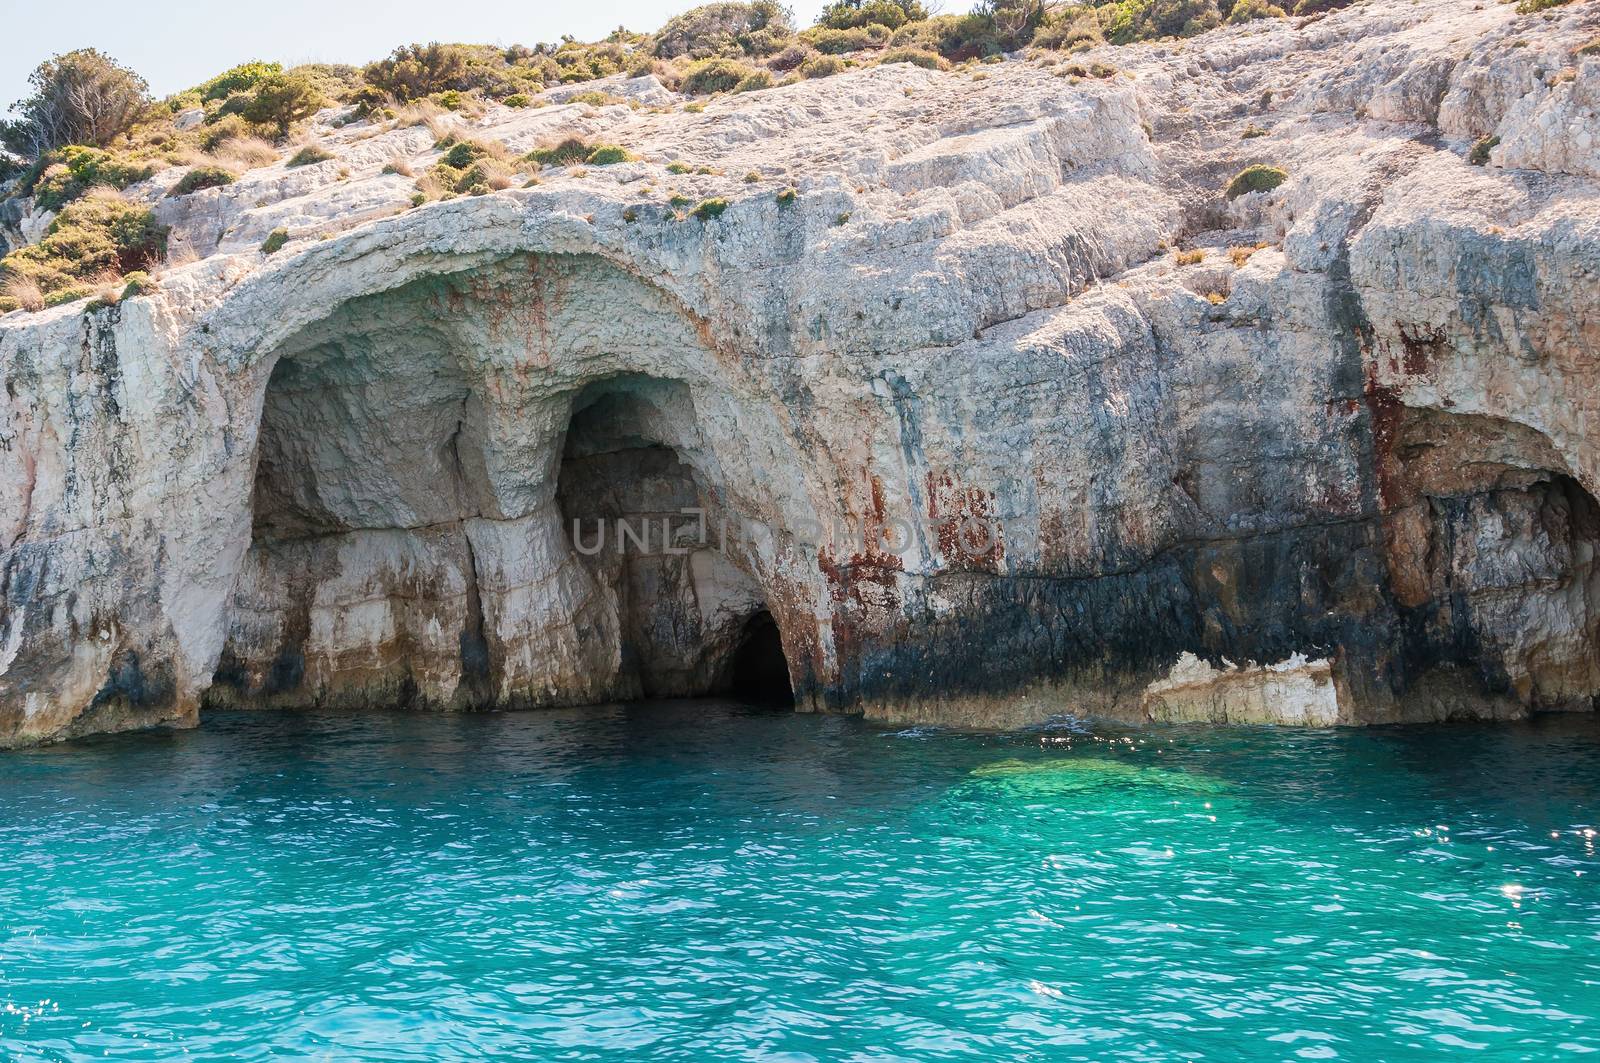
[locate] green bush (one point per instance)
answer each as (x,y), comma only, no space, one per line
(96,236)
(241,78)
(1257,178)
(713,75)
(517,99)
(956,37)
(230,127)
(422,71)
(138,283)
(202,177)
(595,98)
(309,155)
(414,71)
(1250,10)
(485,173)
(70,294)
(568,152)
(821,66)
(274,241)
(847,14)
(916,56)
(724,29)
(1068,27)
(461,153)
(787,197)
(710,208)
(609,155)
(1528,7)
(338,82)
(277,101)
(1479,155)
(755,82)
(71,171)
(838,42)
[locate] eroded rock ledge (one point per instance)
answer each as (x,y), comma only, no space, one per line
(955,418)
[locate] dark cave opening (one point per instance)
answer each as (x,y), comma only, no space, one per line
(639,498)
(758,672)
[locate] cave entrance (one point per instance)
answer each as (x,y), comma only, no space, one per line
(642,501)
(758,672)
(359,588)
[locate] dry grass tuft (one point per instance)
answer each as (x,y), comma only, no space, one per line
(26,292)
(246,153)
(1241,254)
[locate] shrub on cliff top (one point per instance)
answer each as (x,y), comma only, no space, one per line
(847,14)
(81,97)
(277,102)
(1257,178)
(756,28)
(567,152)
(1068,28)
(956,37)
(821,66)
(839,42)
(755,82)
(710,208)
(915,56)
(309,155)
(413,71)
(713,75)
(608,155)
(418,71)
(1251,10)
(202,177)
(74,169)
(99,236)
(241,78)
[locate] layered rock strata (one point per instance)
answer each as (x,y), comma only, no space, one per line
(954,416)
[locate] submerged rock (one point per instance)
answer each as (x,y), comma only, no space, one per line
(929,387)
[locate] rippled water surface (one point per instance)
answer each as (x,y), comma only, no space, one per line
(702,882)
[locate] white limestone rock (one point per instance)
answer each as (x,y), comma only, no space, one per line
(987,452)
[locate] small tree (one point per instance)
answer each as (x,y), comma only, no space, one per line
(281,100)
(848,14)
(82,97)
(1013,20)
(416,70)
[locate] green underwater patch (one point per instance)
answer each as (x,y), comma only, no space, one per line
(1082,774)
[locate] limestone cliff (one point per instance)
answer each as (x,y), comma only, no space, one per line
(954,413)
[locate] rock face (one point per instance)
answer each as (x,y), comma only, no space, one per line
(953,418)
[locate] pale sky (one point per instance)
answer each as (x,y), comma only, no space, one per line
(176,44)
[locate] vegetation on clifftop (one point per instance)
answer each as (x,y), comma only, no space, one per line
(90,127)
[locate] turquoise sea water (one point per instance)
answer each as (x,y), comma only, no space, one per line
(702,882)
